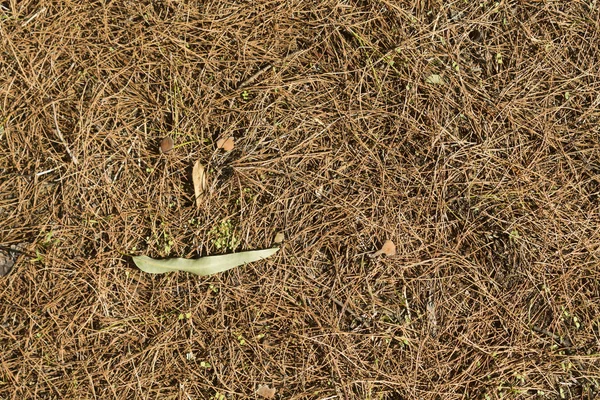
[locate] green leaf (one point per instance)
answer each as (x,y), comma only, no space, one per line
(201,266)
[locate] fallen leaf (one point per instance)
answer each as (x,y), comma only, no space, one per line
(225,144)
(204,265)
(279,236)
(166,145)
(388,248)
(435,79)
(199,178)
(266,392)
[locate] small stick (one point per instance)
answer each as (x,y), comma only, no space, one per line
(47,171)
(563,342)
(406,302)
(262,71)
(34,16)
(430,308)
(346,309)
(253,77)
(60,135)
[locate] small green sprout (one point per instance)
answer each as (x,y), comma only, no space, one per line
(224,236)
(499,58)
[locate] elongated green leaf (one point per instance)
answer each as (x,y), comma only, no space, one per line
(201,266)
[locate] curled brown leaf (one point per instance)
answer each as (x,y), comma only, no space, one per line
(200,181)
(266,392)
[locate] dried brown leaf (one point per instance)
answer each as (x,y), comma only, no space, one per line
(266,392)
(279,236)
(166,145)
(388,248)
(200,183)
(225,144)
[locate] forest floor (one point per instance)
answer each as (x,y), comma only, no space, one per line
(465,132)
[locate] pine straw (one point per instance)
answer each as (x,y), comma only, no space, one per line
(488,185)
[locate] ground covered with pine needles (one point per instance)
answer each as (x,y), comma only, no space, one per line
(466,132)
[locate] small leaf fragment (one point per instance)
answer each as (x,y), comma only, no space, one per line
(435,79)
(388,248)
(225,144)
(266,392)
(199,179)
(279,236)
(204,265)
(166,145)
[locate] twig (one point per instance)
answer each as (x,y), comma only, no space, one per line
(406,302)
(253,77)
(34,16)
(261,71)
(564,342)
(346,309)
(60,136)
(430,308)
(47,171)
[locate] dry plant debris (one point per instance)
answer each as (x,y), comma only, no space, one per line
(166,144)
(435,79)
(200,181)
(279,237)
(388,248)
(225,144)
(266,392)
(491,181)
